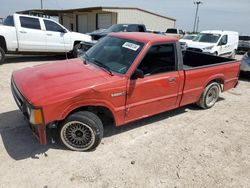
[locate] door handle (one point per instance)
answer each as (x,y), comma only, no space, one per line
(171,79)
(49,34)
(23,32)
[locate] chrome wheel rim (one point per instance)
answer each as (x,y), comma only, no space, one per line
(212,96)
(77,136)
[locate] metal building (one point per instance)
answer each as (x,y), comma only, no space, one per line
(86,20)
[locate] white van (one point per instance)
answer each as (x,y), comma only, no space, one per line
(221,43)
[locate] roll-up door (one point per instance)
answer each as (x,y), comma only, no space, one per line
(82,23)
(104,20)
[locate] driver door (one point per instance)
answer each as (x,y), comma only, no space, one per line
(224,47)
(158,90)
(57,38)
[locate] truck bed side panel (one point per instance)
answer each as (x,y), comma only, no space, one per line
(197,79)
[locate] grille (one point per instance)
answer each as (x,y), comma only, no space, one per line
(194,49)
(20,100)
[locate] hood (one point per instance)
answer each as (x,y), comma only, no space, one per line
(100,33)
(80,36)
(200,45)
(50,81)
(185,40)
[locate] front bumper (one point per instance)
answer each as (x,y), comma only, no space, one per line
(243,48)
(38,130)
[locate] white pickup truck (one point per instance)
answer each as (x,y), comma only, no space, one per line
(24,34)
(173,32)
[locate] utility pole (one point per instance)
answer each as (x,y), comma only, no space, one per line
(41,4)
(197,3)
(197,26)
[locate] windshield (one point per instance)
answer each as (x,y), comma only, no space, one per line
(117,28)
(244,38)
(207,37)
(188,37)
(114,54)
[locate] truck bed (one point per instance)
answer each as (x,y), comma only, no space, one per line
(193,60)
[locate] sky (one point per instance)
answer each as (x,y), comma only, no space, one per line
(231,15)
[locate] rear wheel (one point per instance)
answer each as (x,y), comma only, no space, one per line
(2,55)
(81,131)
(210,96)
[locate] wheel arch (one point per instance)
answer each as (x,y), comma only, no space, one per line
(220,79)
(76,42)
(103,112)
(3,43)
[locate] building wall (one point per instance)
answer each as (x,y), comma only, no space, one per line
(151,21)
(91,19)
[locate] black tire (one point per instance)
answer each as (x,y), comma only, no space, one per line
(75,52)
(81,131)
(2,56)
(210,96)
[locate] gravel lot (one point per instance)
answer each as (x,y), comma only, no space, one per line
(186,147)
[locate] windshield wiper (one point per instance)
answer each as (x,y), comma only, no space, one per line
(100,64)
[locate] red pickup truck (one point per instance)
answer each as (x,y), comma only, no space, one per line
(123,78)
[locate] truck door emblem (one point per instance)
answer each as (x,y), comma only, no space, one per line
(117,94)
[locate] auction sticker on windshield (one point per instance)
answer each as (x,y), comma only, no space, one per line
(131,46)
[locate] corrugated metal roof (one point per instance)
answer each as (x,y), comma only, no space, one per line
(55,12)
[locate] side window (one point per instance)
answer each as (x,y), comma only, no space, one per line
(31,23)
(159,59)
(52,26)
(9,21)
(141,28)
(223,40)
(132,28)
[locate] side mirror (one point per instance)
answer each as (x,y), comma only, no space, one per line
(63,31)
(137,74)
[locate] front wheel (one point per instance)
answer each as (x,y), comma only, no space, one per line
(81,131)
(76,49)
(210,96)
(2,55)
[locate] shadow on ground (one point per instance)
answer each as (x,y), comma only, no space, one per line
(28,58)
(245,76)
(18,139)
(20,143)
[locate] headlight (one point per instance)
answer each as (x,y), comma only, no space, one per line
(208,48)
(36,116)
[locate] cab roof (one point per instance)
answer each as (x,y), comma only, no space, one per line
(144,37)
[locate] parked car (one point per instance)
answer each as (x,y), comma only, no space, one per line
(185,39)
(244,43)
(84,47)
(245,63)
(221,43)
(123,78)
(118,28)
(173,32)
(23,34)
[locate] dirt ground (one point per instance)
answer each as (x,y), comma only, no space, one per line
(186,147)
